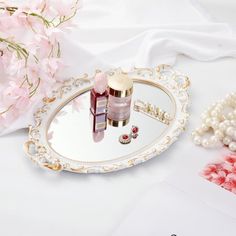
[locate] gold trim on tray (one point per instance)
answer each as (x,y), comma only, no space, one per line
(173,83)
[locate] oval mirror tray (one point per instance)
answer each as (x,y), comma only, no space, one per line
(62,137)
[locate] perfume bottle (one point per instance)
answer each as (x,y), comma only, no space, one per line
(99,95)
(120,89)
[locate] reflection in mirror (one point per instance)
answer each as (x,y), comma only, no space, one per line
(71,135)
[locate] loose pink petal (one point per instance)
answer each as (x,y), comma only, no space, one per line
(222,173)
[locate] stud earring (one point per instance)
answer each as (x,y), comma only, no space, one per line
(126,138)
(134,131)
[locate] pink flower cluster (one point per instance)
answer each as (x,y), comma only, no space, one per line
(222,173)
(30,54)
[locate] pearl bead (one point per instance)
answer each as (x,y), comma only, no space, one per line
(204,127)
(219,134)
(214,113)
(230,115)
(208,121)
(205,143)
(197,140)
(227,140)
(215,124)
(221,118)
(233,123)
(232,95)
(214,140)
(227,123)
(222,102)
(230,131)
(213,119)
(200,131)
(194,133)
(222,126)
(232,146)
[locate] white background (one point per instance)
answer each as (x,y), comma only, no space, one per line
(163,196)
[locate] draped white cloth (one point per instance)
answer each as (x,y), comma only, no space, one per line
(139,33)
(163,196)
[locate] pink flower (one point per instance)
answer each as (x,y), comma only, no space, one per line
(62,9)
(230,183)
(53,34)
(15,67)
(44,44)
(51,65)
(230,159)
(19,96)
(7,22)
(211,168)
(219,177)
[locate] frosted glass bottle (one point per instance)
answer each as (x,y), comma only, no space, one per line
(120,89)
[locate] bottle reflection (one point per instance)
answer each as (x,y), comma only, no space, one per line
(99,122)
(99,125)
(98,137)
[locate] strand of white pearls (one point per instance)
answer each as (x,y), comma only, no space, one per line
(218,125)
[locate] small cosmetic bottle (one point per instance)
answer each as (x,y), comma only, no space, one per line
(99,101)
(99,95)
(120,89)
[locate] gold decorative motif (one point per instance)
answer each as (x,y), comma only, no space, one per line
(53,166)
(48,100)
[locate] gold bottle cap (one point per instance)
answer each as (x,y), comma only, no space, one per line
(120,85)
(118,123)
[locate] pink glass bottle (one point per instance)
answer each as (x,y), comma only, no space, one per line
(99,95)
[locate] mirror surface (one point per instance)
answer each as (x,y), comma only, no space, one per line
(70,132)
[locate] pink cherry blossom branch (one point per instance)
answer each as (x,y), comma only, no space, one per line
(20,50)
(48,23)
(38,69)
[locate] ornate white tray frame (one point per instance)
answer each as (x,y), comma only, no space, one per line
(37,148)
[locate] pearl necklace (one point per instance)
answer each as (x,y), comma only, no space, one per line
(218,125)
